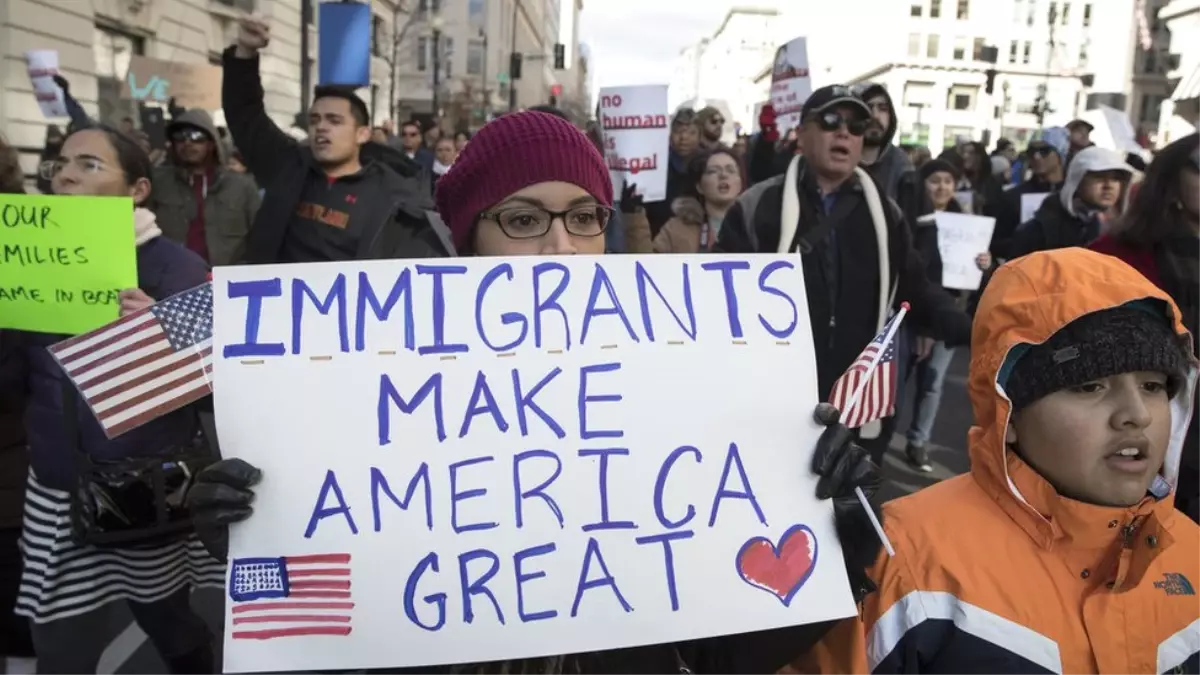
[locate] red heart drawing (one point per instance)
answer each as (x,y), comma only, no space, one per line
(780,570)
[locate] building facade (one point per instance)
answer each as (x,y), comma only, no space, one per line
(1181,110)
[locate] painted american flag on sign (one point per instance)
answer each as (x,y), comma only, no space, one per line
(145,365)
(291,596)
(867,390)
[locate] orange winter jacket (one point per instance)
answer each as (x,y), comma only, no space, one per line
(994,571)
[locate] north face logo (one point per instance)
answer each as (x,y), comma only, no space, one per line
(1175,583)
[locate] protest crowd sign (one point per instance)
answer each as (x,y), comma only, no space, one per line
(961,238)
(42,65)
(63,260)
(790,83)
(637,133)
(479,478)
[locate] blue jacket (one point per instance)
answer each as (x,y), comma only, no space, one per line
(164,269)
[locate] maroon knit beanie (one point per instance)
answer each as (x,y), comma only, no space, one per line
(510,154)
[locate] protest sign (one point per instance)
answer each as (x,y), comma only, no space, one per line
(42,65)
(961,238)
(63,260)
(344,43)
(637,135)
(506,458)
(192,85)
(790,83)
(1030,203)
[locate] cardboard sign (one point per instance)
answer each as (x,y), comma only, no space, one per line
(42,65)
(506,458)
(637,137)
(344,44)
(193,85)
(961,238)
(1030,203)
(790,83)
(63,260)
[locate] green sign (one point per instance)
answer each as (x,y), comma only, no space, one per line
(502,78)
(63,260)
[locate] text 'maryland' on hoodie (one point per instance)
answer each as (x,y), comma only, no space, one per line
(995,571)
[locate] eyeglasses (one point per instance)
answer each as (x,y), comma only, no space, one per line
(192,135)
(719,121)
(833,120)
(52,167)
(529,222)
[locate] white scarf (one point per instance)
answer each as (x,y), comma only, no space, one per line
(145,226)
(439,168)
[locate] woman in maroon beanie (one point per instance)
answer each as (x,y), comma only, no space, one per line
(517,175)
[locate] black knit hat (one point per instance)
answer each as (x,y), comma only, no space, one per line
(1114,341)
(935,165)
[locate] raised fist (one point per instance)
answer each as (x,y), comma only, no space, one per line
(253,35)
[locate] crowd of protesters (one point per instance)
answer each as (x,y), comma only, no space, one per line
(1071,545)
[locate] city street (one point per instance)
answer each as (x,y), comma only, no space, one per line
(130,653)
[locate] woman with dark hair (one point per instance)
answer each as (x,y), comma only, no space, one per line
(715,181)
(977,176)
(67,584)
(1159,236)
(530,183)
(461,138)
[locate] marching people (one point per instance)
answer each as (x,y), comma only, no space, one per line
(685,142)
(339,198)
(66,584)
(1047,158)
(411,144)
(444,154)
(978,177)
(885,162)
(1082,370)
(1159,236)
(716,182)
(198,201)
(531,184)
(711,124)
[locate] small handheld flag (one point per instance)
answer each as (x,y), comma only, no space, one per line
(867,390)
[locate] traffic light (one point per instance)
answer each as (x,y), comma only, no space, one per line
(514,66)
(990,87)
(560,56)
(555,92)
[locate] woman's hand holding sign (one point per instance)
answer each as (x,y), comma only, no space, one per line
(221,496)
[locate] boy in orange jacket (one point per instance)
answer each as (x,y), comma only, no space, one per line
(1060,551)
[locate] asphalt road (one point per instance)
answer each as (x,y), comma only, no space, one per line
(131,653)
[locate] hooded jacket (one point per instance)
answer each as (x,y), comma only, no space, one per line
(892,163)
(1061,220)
(995,571)
(683,233)
(231,200)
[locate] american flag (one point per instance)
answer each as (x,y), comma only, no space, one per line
(144,365)
(867,390)
(291,596)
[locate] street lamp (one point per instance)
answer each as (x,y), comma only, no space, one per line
(436,23)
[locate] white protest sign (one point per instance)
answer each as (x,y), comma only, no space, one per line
(637,137)
(790,84)
(486,459)
(1030,203)
(42,65)
(961,238)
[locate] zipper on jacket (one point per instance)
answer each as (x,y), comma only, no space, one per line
(1125,557)
(379,231)
(832,327)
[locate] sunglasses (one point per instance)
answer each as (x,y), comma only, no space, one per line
(193,135)
(833,120)
(1042,150)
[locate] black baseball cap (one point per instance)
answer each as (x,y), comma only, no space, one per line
(346,92)
(832,96)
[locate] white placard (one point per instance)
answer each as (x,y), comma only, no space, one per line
(1030,203)
(961,238)
(637,137)
(790,83)
(42,65)
(549,423)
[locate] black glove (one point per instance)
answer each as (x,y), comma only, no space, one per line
(221,495)
(843,465)
(631,201)
(62,83)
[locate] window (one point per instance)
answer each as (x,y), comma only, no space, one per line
(432,6)
(918,94)
(1149,62)
(1018,12)
(1066,14)
(1029,15)
(915,10)
(1151,106)
(422,54)
(977,49)
(935,9)
(476,15)
(377,35)
(1087,16)
(1027,53)
(112,50)
(1013,48)
(475,57)
(931,47)
(914,44)
(1052,14)
(960,48)
(1083,55)
(964,8)
(961,97)
(448,57)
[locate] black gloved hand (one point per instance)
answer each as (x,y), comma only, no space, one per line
(62,83)
(221,495)
(631,201)
(843,465)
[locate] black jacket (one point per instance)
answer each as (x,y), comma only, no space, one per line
(841,271)
(1052,227)
(403,222)
(1008,215)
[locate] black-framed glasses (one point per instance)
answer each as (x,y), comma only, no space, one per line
(719,121)
(530,222)
(193,135)
(832,120)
